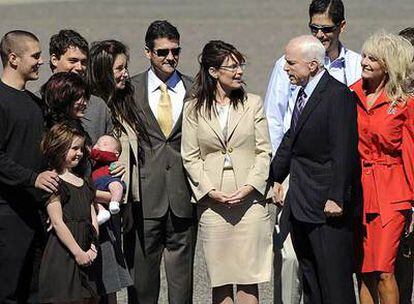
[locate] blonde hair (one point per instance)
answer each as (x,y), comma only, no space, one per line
(395,54)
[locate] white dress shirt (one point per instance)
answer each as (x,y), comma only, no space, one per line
(223,112)
(281,94)
(176,90)
(310,87)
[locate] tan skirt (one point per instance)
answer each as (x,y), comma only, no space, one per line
(236,241)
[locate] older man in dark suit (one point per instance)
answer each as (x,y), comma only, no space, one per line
(163,221)
(320,153)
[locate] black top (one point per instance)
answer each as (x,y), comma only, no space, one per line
(61,279)
(21,129)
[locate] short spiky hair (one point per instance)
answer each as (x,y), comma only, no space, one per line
(60,42)
(11,43)
(334,8)
(160,29)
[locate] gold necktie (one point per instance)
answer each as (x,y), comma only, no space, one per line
(164,111)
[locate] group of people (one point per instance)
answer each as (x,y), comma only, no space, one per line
(102,174)
(358,220)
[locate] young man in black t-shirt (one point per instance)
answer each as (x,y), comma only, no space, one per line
(21,128)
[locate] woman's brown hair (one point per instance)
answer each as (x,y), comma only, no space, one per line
(213,55)
(102,83)
(57,142)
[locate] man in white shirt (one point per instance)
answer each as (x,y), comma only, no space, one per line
(164,224)
(326,23)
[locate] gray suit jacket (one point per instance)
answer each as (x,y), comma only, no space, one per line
(163,183)
(97,120)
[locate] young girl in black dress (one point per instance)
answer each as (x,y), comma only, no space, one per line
(67,271)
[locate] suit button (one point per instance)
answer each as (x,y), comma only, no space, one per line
(230,149)
(223,151)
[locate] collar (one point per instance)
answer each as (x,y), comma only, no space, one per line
(12,88)
(362,98)
(103,156)
(312,83)
(338,62)
(154,82)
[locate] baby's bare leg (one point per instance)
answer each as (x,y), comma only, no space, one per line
(117,190)
(100,207)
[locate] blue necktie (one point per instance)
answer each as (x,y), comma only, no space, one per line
(299,105)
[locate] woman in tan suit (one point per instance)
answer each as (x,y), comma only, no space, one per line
(226,152)
(109,80)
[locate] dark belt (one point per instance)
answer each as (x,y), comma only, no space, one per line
(388,161)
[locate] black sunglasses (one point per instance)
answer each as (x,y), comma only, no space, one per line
(164,52)
(326,29)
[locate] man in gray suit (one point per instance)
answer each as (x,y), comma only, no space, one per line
(164,222)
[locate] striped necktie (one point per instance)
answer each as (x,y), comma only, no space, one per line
(299,105)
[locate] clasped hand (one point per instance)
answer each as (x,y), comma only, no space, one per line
(232,198)
(86,258)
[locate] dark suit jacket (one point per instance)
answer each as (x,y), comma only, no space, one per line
(163,183)
(321,154)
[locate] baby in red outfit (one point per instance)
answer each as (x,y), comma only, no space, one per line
(106,151)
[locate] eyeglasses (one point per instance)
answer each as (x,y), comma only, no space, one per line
(121,69)
(164,52)
(233,67)
(326,29)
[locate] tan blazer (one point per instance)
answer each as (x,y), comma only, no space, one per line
(203,147)
(129,157)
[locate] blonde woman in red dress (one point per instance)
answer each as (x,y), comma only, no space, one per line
(386,148)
